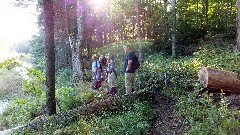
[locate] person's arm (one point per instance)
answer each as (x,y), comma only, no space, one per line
(98,64)
(129,65)
(130,60)
(94,66)
(112,65)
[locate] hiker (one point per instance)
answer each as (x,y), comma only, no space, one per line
(103,63)
(131,64)
(96,70)
(111,75)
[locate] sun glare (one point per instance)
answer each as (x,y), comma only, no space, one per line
(99,4)
(16,23)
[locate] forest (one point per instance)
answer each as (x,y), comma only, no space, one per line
(46,88)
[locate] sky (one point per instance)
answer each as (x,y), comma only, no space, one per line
(16,23)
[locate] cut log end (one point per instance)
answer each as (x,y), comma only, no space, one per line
(219,79)
(203,76)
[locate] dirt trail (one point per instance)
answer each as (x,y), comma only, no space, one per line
(165,121)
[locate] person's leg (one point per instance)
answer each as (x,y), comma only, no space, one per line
(129,78)
(109,81)
(99,73)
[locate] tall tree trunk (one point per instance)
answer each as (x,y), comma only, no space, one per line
(121,30)
(133,27)
(105,23)
(76,63)
(165,21)
(62,48)
(138,30)
(174,28)
(76,38)
(111,32)
(50,56)
(80,37)
(66,32)
(237,49)
(206,13)
(147,18)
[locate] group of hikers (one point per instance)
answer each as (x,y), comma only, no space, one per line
(104,70)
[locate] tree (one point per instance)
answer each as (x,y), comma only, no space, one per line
(138,29)
(50,56)
(173,28)
(206,12)
(237,49)
(165,21)
(75,24)
(63,50)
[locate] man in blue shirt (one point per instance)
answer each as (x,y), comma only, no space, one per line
(129,69)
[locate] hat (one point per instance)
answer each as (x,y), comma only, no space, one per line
(94,56)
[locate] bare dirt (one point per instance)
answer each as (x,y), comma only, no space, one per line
(165,121)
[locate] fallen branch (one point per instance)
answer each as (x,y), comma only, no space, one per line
(110,103)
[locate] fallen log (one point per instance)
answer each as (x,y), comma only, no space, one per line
(110,103)
(220,80)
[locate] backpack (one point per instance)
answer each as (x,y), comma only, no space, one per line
(136,63)
(103,61)
(112,91)
(96,84)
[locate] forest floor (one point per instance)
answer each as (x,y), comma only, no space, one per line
(165,121)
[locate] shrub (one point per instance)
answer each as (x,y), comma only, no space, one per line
(177,78)
(133,120)
(10,84)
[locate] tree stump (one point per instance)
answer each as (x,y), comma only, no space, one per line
(220,80)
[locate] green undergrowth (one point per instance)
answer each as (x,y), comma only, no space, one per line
(25,109)
(133,119)
(177,78)
(9,83)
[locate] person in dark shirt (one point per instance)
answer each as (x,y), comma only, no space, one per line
(129,70)
(103,64)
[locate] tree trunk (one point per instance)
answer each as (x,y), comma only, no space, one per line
(138,30)
(206,12)
(149,28)
(66,32)
(165,21)
(50,56)
(76,37)
(237,49)
(105,24)
(218,79)
(76,63)
(174,28)
(80,37)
